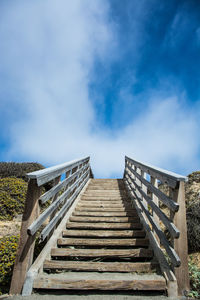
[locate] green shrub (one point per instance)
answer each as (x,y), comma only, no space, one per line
(8,248)
(12,197)
(19,170)
(194,273)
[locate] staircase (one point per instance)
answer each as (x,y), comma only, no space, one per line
(104,246)
(103,234)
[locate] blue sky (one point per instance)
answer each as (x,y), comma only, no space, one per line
(101,78)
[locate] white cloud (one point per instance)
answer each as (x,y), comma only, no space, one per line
(48,52)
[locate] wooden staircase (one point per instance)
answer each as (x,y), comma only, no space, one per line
(104,246)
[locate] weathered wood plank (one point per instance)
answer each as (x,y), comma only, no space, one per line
(166,221)
(105,214)
(25,250)
(163,175)
(45,282)
(103,242)
(122,253)
(154,189)
(45,175)
(104,233)
(32,229)
(144,267)
(170,251)
(104,225)
(105,209)
(104,219)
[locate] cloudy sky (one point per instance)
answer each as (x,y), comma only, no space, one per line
(104,78)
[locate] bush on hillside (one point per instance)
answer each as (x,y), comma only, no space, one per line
(12,197)
(19,170)
(193,211)
(8,248)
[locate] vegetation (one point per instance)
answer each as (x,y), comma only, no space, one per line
(8,248)
(19,170)
(12,197)
(194,273)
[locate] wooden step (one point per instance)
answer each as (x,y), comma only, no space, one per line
(106,209)
(103,204)
(104,233)
(102,242)
(104,219)
(104,214)
(111,253)
(107,226)
(100,281)
(100,266)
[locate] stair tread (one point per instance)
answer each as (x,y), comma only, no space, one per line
(105,214)
(103,242)
(104,219)
(102,225)
(100,266)
(104,233)
(140,252)
(102,281)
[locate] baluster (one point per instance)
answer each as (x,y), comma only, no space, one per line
(154,182)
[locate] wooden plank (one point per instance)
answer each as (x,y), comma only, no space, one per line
(32,229)
(105,209)
(143,267)
(45,252)
(25,250)
(104,225)
(103,204)
(59,186)
(170,251)
(181,245)
(163,175)
(104,233)
(175,233)
(104,219)
(164,265)
(45,175)
(114,253)
(154,189)
(45,232)
(103,242)
(45,282)
(105,214)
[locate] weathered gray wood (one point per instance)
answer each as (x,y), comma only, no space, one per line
(65,252)
(181,245)
(32,229)
(116,283)
(100,266)
(45,253)
(58,187)
(25,250)
(104,233)
(105,214)
(162,197)
(85,225)
(104,219)
(45,232)
(172,288)
(166,221)
(163,175)
(103,242)
(45,175)
(170,251)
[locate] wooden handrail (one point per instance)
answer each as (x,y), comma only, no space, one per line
(149,197)
(63,192)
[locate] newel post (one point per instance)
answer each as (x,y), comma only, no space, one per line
(25,250)
(181,244)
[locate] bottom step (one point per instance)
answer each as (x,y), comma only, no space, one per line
(104,281)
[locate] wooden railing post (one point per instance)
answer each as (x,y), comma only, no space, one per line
(180,244)
(25,251)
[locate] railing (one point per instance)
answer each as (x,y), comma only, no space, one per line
(61,196)
(163,217)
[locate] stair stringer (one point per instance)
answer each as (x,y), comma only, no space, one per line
(37,266)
